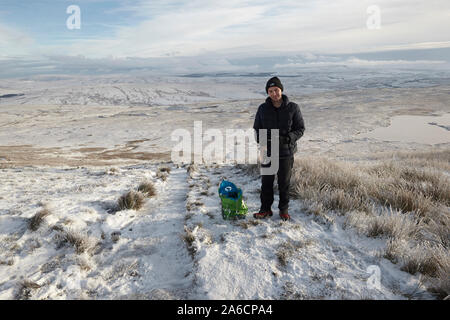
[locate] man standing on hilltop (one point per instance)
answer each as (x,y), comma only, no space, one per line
(278,113)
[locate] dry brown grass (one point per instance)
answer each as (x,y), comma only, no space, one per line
(189,238)
(191,205)
(438,159)
(245,224)
(404,197)
(345,187)
(25,290)
(427,258)
(164,169)
(440,285)
(387,223)
(8,262)
(287,249)
(131,200)
(163,175)
(192,169)
(38,218)
(80,242)
(318,211)
(335,185)
(147,188)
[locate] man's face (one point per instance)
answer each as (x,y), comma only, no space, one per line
(275,93)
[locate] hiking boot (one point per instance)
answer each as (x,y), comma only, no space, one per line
(285,216)
(263,214)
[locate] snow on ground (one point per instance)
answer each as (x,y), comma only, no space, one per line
(124,91)
(144,254)
(273,259)
(135,254)
(67,145)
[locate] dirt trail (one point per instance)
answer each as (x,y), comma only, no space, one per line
(28,155)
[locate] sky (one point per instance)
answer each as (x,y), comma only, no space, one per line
(214,32)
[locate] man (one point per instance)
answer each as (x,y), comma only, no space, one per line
(278,113)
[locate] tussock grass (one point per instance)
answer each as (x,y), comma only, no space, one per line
(131,200)
(404,197)
(254,222)
(428,258)
(81,242)
(192,169)
(287,249)
(427,262)
(245,224)
(318,211)
(163,175)
(193,204)
(122,269)
(440,285)
(9,262)
(25,289)
(38,218)
(343,187)
(438,159)
(147,188)
(164,169)
(335,185)
(188,216)
(388,223)
(189,238)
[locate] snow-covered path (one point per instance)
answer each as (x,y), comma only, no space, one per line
(154,242)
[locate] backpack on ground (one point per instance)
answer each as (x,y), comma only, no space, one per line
(233,206)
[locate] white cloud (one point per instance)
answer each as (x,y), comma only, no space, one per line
(215,30)
(356,62)
(197,27)
(14,42)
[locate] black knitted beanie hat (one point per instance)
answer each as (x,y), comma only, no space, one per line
(274,82)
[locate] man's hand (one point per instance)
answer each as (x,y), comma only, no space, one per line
(263,158)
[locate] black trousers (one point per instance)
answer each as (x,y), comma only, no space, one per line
(284,178)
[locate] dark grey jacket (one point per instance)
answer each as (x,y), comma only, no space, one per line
(287,118)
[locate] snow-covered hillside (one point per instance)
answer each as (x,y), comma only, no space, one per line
(177,246)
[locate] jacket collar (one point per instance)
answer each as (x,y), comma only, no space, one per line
(285,101)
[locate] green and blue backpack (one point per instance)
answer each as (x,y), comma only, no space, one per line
(233,206)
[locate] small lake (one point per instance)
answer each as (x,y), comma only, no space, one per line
(419,129)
